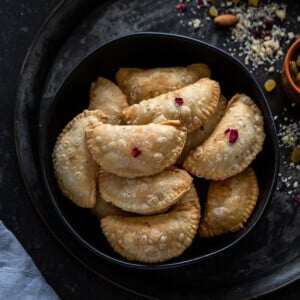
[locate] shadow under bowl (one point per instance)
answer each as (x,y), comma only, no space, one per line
(145,50)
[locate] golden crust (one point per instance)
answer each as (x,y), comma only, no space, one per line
(103,209)
(229,204)
(136,150)
(142,84)
(108,97)
(218,158)
(198,102)
(74,167)
(155,238)
(199,135)
(145,195)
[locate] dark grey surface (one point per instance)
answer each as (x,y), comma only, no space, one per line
(70,279)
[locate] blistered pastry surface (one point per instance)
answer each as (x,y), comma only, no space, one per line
(155,238)
(141,84)
(229,204)
(108,97)
(157,146)
(192,105)
(145,195)
(75,169)
(218,157)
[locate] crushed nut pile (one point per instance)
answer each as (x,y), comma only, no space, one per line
(258,32)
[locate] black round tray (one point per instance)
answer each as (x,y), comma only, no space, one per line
(265,260)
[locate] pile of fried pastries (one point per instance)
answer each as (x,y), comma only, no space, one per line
(131,157)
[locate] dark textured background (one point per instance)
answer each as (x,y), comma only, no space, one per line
(19,23)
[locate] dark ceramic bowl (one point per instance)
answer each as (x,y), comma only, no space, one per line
(288,84)
(147,50)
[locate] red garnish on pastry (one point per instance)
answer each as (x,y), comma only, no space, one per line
(179,101)
(135,152)
(233,135)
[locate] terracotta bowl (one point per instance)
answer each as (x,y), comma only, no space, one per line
(288,84)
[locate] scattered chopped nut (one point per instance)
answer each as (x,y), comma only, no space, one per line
(196,23)
(281,13)
(271,69)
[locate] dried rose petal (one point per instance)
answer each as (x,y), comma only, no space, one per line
(296,198)
(269,23)
(135,152)
(233,135)
(181,6)
(257,33)
(179,101)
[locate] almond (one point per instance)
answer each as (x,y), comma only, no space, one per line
(226,20)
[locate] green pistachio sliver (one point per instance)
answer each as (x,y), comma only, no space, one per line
(293,68)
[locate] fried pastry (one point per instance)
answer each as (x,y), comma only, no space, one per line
(136,150)
(74,168)
(229,204)
(199,135)
(234,143)
(145,195)
(155,238)
(103,209)
(107,96)
(142,84)
(192,105)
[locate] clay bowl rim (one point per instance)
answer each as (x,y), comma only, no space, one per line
(291,51)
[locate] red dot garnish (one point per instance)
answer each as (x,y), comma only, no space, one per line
(233,135)
(135,152)
(179,101)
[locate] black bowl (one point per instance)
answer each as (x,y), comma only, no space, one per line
(147,50)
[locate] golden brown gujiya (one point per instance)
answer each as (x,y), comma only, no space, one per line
(229,204)
(74,167)
(103,209)
(234,143)
(107,96)
(136,150)
(192,105)
(145,195)
(199,135)
(142,84)
(155,238)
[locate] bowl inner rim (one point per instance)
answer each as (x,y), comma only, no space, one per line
(191,260)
